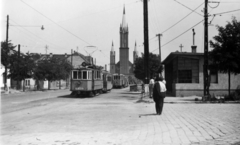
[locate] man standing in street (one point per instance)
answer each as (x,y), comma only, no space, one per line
(159,93)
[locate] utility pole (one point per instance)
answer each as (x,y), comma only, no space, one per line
(146,44)
(71,75)
(5,78)
(18,66)
(205,74)
(159,39)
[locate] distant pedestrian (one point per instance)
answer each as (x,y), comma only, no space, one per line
(159,93)
(151,84)
(143,89)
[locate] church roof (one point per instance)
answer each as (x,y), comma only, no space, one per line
(129,63)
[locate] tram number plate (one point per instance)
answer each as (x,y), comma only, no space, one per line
(79,88)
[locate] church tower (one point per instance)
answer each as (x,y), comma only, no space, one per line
(112,60)
(124,50)
(135,53)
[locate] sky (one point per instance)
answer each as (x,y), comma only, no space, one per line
(78,24)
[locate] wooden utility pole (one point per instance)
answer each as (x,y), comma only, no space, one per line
(205,74)
(159,40)
(146,43)
(5,78)
(18,86)
(71,75)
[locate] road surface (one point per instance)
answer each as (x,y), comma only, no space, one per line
(114,118)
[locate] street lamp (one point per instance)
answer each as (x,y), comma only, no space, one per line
(7,28)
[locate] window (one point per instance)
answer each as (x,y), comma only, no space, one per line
(213,76)
(75,74)
(94,74)
(79,75)
(187,70)
(27,82)
(184,76)
(89,75)
(84,75)
(109,78)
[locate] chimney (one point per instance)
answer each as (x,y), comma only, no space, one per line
(194,49)
(105,67)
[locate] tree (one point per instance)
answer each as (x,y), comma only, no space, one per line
(7,50)
(52,69)
(154,67)
(226,50)
(21,67)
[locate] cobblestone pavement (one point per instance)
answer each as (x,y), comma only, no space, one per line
(119,118)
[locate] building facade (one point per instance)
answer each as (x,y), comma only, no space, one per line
(184,76)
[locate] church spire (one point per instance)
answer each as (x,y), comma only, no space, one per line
(135,48)
(112,47)
(124,23)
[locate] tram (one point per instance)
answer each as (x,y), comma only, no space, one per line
(90,80)
(120,81)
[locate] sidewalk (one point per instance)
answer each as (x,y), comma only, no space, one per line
(180,100)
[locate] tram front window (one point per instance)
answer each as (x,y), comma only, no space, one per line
(79,75)
(74,74)
(84,75)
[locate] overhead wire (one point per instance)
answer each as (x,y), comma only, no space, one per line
(179,35)
(218,3)
(182,19)
(179,20)
(97,12)
(226,12)
(56,23)
(34,34)
(193,27)
(188,8)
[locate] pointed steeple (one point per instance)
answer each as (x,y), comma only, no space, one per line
(112,47)
(124,23)
(135,48)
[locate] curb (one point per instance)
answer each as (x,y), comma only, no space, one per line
(29,92)
(146,100)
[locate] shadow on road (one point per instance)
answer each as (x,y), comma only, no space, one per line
(74,96)
(152,114)
(129,97)
(143,101)
(132,93)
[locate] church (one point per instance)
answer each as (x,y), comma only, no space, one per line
(124,66)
